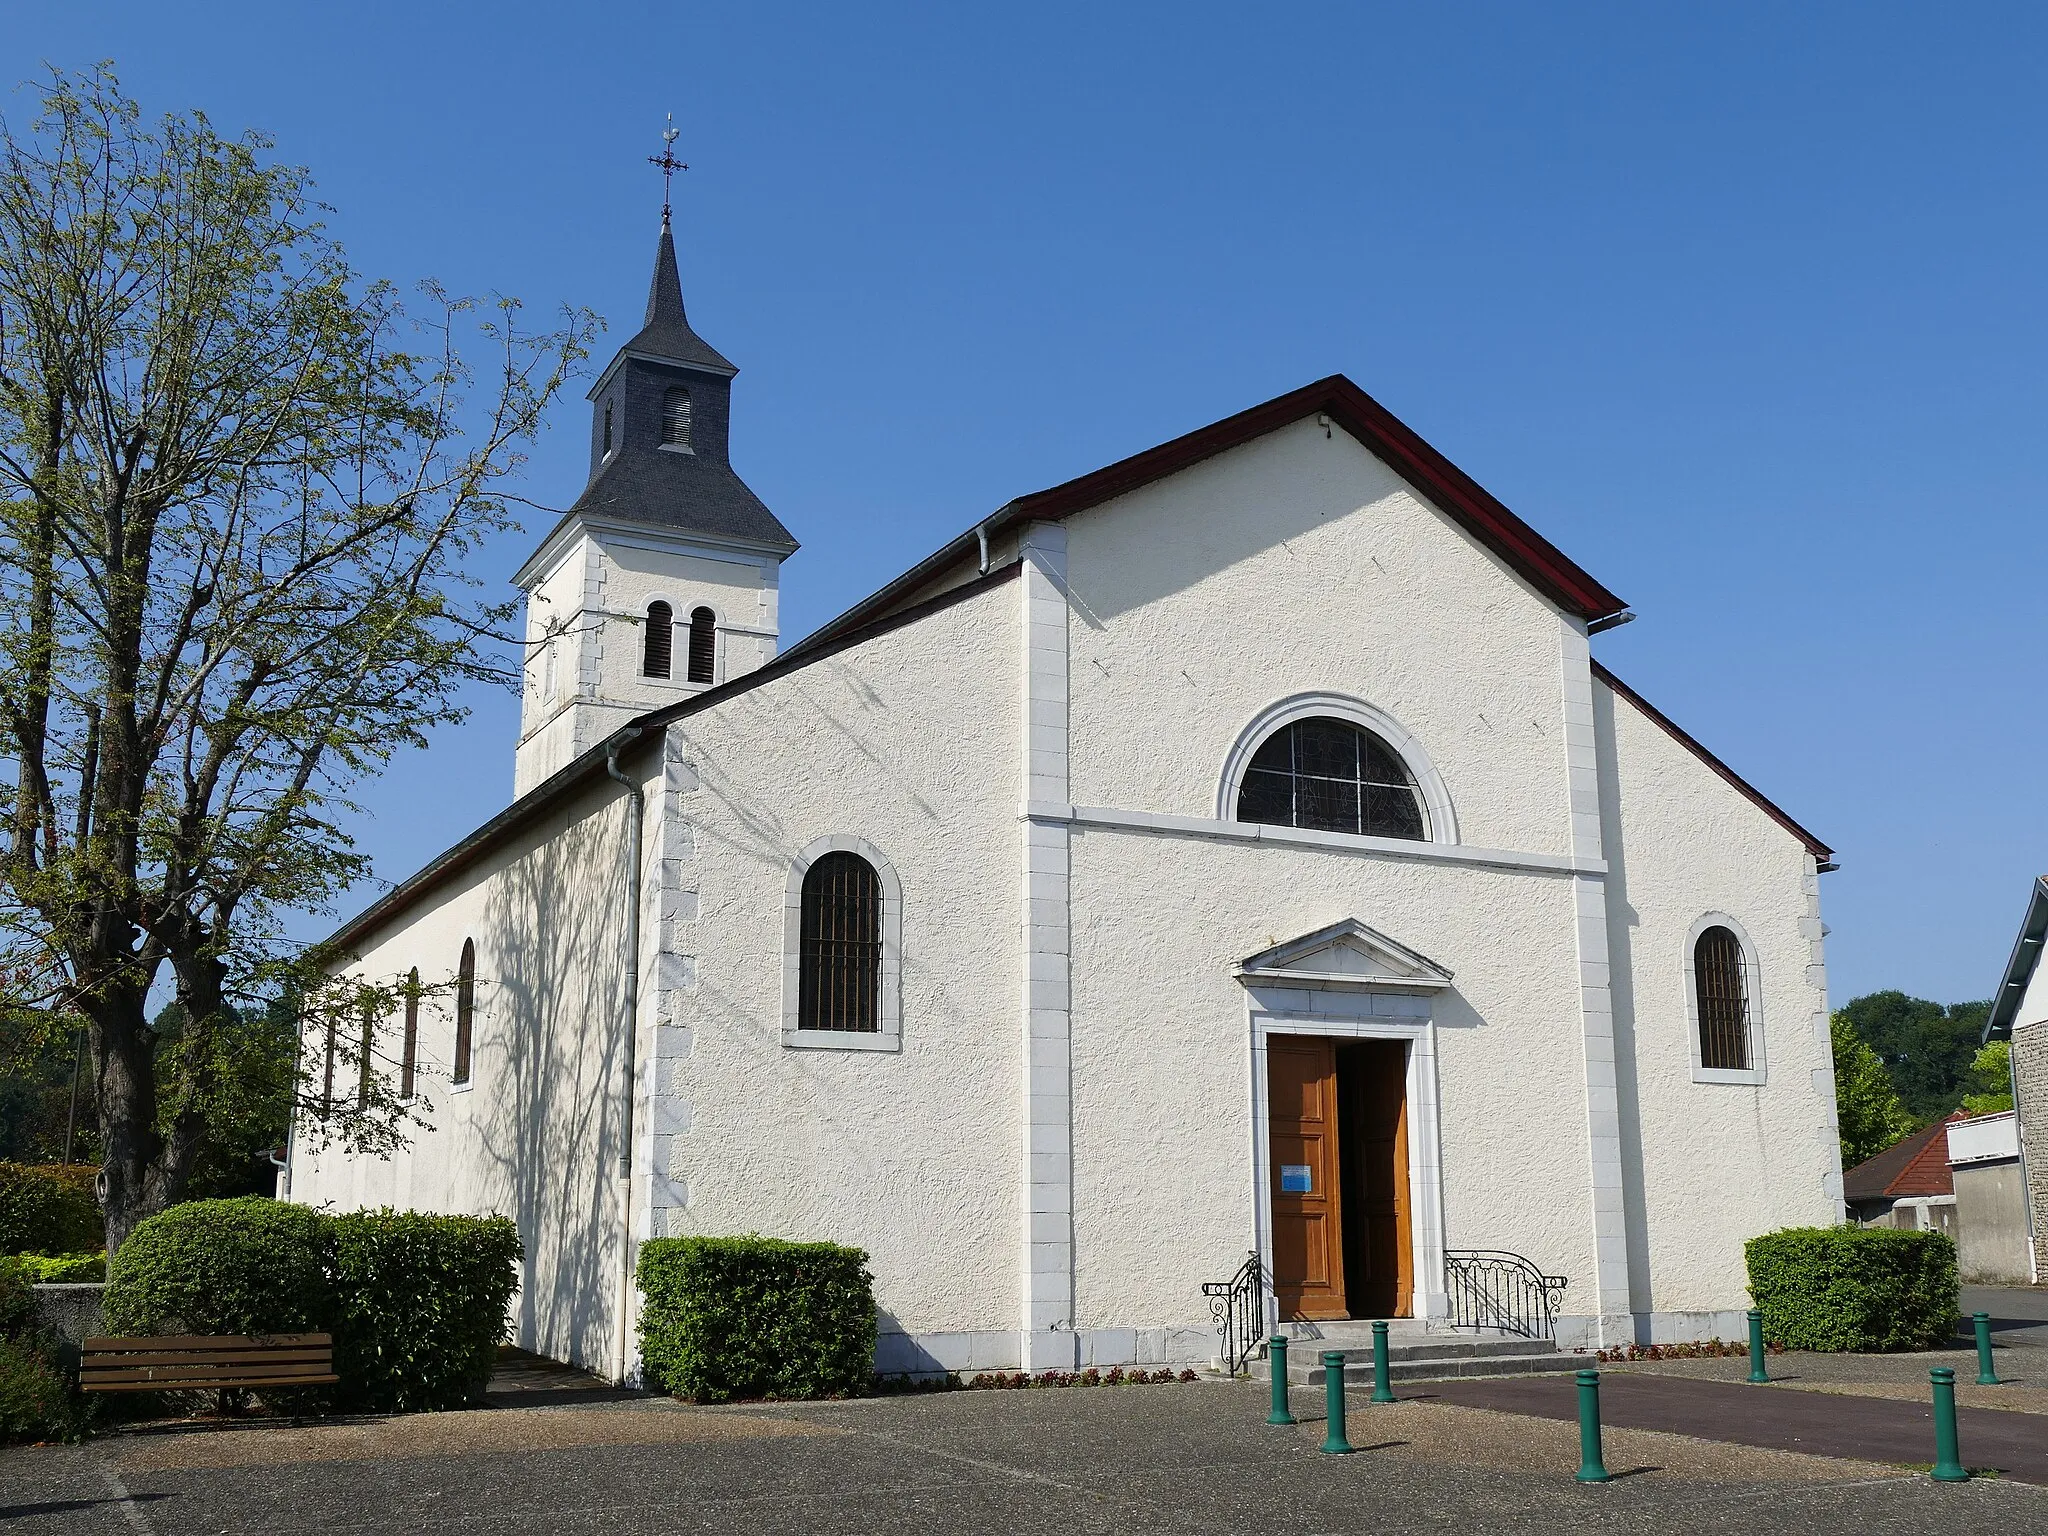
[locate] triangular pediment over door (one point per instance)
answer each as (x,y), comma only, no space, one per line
(1347,955)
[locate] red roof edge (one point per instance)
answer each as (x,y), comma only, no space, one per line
(1456,493)
(1749,791)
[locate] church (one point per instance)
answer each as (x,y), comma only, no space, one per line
(1235,851)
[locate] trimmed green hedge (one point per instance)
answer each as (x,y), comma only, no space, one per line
(63,1268)
(417,1303)
(727,1317)
(421,1305)
(248,1266)
(1855,1288)
(36,1400)
(49,1208)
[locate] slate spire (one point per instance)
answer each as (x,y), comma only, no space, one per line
(666,331)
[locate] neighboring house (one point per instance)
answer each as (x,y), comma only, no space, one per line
(1991,1200)
(1908,1184)
(1236,848)
(2019,1013)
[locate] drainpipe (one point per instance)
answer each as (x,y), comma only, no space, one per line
(636,800)
(981,533)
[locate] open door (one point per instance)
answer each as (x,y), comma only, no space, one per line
(1372,1092)
(1308,1227)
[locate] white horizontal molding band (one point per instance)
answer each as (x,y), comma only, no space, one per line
(1158,825)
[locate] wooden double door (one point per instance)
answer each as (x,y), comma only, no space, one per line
(1338,1114)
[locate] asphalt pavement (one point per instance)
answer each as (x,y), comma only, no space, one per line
(1192,1459)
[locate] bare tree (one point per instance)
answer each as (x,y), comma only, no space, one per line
(237,489)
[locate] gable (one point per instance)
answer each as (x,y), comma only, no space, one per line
(1345,955)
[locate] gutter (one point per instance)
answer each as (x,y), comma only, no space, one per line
(636,799)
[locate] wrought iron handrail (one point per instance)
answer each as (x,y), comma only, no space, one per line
(1239,1305)
(1491,1288)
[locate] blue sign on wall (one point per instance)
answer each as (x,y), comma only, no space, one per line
(1296,1179)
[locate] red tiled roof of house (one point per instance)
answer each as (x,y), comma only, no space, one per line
(1913,1165)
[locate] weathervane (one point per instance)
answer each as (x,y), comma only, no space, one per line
(668,162)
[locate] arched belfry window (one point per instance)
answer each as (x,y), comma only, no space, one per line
(703,645)
(657,646)
(408,1065)
(1721,995)
(465,1009)
(1330,775)
(840,952)
(675,419)
(607,427)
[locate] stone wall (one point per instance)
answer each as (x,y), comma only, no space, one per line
(2030,1077)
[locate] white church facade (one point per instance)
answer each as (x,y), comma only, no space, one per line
(1235,850)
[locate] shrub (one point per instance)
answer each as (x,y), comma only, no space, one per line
(420,1305)
(249,1266)
(36,1401)
(17,1301)
(63,1269)
(49,1208)
(726,1317)
(1857,1288)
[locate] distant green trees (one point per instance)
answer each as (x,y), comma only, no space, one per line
(1867,1106)
(1927,1047)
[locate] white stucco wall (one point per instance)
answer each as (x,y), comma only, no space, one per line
(907,741)
(535,1136)
(1301,562)
(1709,1165)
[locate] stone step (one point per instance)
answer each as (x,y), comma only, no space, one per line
(1307,1352)
(1359,1373)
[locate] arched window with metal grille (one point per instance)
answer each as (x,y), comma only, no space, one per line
(675,419)
(703,645)
(840,950)
(465,1009)
(1723,1000)
(1331,776)
(658,645)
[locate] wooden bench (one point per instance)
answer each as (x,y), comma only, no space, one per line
(198,1362)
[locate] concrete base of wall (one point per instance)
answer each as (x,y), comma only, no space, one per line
(934,1354)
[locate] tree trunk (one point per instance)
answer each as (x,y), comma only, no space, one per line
(124,1065)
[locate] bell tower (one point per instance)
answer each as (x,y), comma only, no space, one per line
(661,581)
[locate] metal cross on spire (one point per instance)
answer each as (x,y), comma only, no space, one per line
(668,162)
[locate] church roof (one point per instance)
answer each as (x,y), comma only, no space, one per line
(695,493)
(910,597)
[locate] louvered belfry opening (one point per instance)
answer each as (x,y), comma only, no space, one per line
(703,645)
(675,419)
(1332,776)
(409,1060)
(840,958)
(1723,1002)
(658,646)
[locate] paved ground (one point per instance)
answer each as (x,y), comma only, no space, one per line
(1816,1423)
(2023,1375)
(1186,1459)
(2019,1314)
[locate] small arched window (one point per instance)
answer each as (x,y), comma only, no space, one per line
(840,953)
(465,1009)
(657,646)
(675,419)
(1331,776)
(607,427)
(1723,1000)
(408,1062)
(703,645)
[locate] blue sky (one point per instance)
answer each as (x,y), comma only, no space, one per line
(1740,305)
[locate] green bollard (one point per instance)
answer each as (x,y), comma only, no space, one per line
(1276,1360)
(1382,1382)
(1948,1456)
(1334,1443)
(1756,1347)
(1986,1376)
(1591,1468)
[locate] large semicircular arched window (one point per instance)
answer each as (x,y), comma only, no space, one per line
(1329,775)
